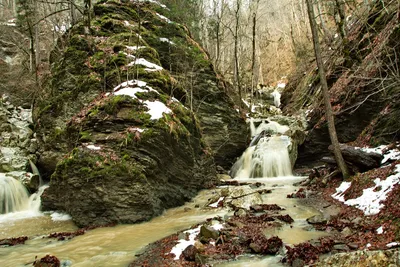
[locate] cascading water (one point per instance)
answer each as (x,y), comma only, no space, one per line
(13,195)
(267,155)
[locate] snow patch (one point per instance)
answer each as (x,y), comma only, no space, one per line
(134,48)
(370,201)
(166,40)
(215,204)
(130,91)
(144,62)
(182,243)
(93,147)
(379,231)
(393,244)
(164,18)
(156,109)
(277,98)
(281,85)
(340,191)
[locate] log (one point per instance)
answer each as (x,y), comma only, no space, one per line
(362,160)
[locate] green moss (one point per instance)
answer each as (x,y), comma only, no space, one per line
(85,136)
(118,59)
(115,102)
(92,166)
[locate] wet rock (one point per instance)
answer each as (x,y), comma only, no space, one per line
(285,218)
(224,177)
(341,247)
(208,232)
(199,246)
(298,263)
(362,258)
(13,241)
(353,245)
(189,253)
(29,180)
(347,231)
(240,213)
(317,219)
(256,208)
(66,263)
(47,261)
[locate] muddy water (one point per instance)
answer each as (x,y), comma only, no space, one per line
(117,246)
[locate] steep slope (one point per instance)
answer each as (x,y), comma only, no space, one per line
(364,84)
(125,133)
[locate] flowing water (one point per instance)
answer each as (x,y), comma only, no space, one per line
(267,158)
(13,195)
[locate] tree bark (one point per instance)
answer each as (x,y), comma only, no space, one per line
(328,108)
(236,52)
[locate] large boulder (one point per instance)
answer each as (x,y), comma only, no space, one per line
(121,129)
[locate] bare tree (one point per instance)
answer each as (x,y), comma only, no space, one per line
(328,108)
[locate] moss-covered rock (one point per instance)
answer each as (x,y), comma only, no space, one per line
(124,132)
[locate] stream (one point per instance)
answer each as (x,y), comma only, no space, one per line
(117,246)
(267,157)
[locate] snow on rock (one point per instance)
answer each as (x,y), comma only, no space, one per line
(370,201)
(93,147)
(393,154)
(215,204)
(166,40)
(141,61)
(129,91)
(182,243)
(155,2)
(134,48)
(156,109)
(164,18)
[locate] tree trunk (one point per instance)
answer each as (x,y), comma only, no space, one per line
(328,108)
(253,58)
(236,54)
(72,11)
(341,24)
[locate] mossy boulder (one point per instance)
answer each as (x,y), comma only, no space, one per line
(123,133)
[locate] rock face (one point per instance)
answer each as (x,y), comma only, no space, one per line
(365,104)
(17,144)
(124,133)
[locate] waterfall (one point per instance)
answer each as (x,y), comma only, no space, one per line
(13,195)
(268,153)
(15,202)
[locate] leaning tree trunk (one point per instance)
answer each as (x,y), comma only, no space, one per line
(328,108)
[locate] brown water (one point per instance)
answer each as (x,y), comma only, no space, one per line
(117,246)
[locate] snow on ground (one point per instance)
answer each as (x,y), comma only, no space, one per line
(379,231)
(393,244)
(370,201)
